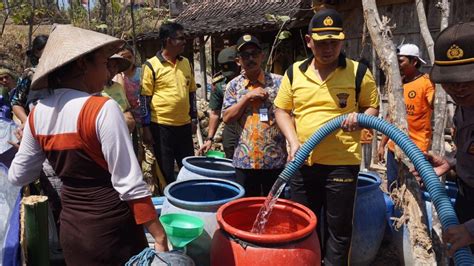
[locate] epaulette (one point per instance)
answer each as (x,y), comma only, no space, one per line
(218,77)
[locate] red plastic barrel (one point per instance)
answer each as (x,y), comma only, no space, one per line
(289,237)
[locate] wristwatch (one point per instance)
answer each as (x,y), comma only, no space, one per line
(210,138)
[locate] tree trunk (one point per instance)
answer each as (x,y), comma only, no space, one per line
(425,31)
(112,13)
(134,35)
(6,7)
(440,113)
(89,14)
(380,34)
(440,109)
(103,11)
(71,11)
(30,29)
(4,23)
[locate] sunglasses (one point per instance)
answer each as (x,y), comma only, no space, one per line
(247,55)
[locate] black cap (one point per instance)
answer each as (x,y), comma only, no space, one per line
(454,54)
(326,24)
(226,59)
(227,55)
(247,39)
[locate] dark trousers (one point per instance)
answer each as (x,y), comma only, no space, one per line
(464,206)
(171,143)
(256,182)
(392,170)
(229,140)
(332,187)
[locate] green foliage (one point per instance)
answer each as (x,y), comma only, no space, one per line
(21,11)
(284,35)
(277,18)
(102,27)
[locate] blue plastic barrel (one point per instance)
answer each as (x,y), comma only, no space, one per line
(201,198)
(369,219)
(195,167)
(402,236)
(390,208)
(158,204)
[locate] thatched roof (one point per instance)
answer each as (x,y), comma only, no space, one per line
(226,16)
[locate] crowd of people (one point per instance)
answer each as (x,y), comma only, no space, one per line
(83,146)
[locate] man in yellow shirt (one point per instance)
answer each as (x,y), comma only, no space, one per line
(314,91)
(170,98)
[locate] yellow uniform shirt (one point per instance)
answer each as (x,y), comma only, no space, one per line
(315,102)
(169,91)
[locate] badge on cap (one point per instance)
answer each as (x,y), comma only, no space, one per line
(455,52)
(328,21)
(247,38)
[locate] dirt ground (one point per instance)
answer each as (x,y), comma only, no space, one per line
(387,255)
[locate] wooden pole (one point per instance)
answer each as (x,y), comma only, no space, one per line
(380,33)
(440,108)
(413,206)
(134,35)
(202,61)
(440,113)
(375,144)
(89,13)
(425,31)
(30,29)
(36,230)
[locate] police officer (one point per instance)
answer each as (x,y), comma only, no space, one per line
(229,70)
(454,68)
(312,92)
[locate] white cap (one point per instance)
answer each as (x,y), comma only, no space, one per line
(409,49)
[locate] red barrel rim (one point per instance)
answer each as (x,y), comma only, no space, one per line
(296,208)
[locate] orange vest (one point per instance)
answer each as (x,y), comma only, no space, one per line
(419,95)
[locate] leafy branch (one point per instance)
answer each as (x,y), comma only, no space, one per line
(281,35)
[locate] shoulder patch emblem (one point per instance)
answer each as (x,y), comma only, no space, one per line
(342,99)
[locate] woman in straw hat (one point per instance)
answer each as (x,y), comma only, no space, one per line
(116,91)
(86,140)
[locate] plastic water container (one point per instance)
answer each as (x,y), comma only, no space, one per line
(200,198)
(7,133)
(370,219)
(195,167)
(8,197)
(289,237)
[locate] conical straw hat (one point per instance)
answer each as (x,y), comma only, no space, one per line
(123,63)
(67,43)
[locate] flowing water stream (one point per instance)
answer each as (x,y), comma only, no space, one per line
(266,210)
